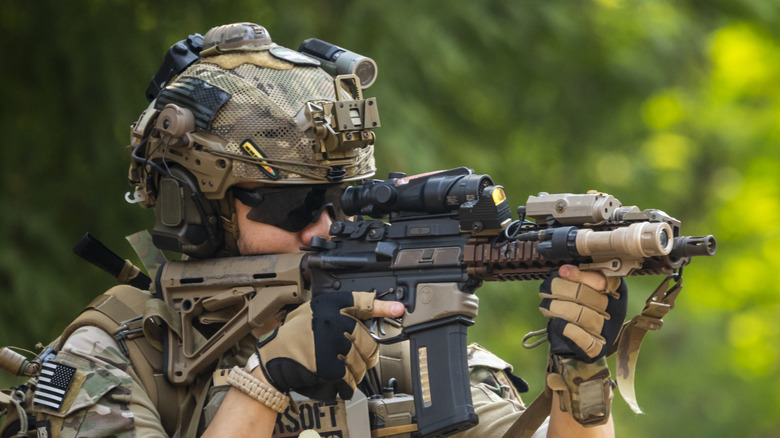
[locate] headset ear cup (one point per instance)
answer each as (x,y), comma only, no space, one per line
(185,221)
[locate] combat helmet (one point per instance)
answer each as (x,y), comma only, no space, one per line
(233,109)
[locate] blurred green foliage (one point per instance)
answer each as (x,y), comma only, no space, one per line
(665,104)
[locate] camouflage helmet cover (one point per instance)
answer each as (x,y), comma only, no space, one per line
(250,111)
(245,99)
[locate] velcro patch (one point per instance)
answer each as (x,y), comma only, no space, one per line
(43,428)
(328,419)
(198,96)
(53,384)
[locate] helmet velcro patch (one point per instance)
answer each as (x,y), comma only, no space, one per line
(197,95)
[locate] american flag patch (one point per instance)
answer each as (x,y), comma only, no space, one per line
(53,384)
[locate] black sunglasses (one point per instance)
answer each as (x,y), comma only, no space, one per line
(291,208)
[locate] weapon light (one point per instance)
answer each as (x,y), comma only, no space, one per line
(339,61)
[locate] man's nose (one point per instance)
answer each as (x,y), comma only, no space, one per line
(319,228)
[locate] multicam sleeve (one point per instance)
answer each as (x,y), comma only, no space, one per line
(495,395)
(104,397)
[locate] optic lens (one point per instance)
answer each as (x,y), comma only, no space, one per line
(499,195)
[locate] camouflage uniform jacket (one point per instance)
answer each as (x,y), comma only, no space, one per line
(106,397)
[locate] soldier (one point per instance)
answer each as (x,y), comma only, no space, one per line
(236,159)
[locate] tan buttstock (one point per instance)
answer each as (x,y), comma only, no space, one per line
(239,293)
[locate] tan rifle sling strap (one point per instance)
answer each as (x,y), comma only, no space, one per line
(124,312)
(533,416)
(660,302)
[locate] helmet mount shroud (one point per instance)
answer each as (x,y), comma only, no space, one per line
(247,112)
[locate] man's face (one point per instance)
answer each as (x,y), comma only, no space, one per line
(255,238)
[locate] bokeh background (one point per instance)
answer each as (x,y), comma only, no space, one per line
(669,104)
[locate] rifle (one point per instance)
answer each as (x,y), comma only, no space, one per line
(446,232)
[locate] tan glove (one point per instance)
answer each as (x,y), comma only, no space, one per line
(323,348)
(584,323)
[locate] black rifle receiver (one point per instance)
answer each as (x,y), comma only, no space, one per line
(417,259)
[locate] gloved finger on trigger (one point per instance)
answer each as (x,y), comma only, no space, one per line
(363,306)
(591,345)
(364,345)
